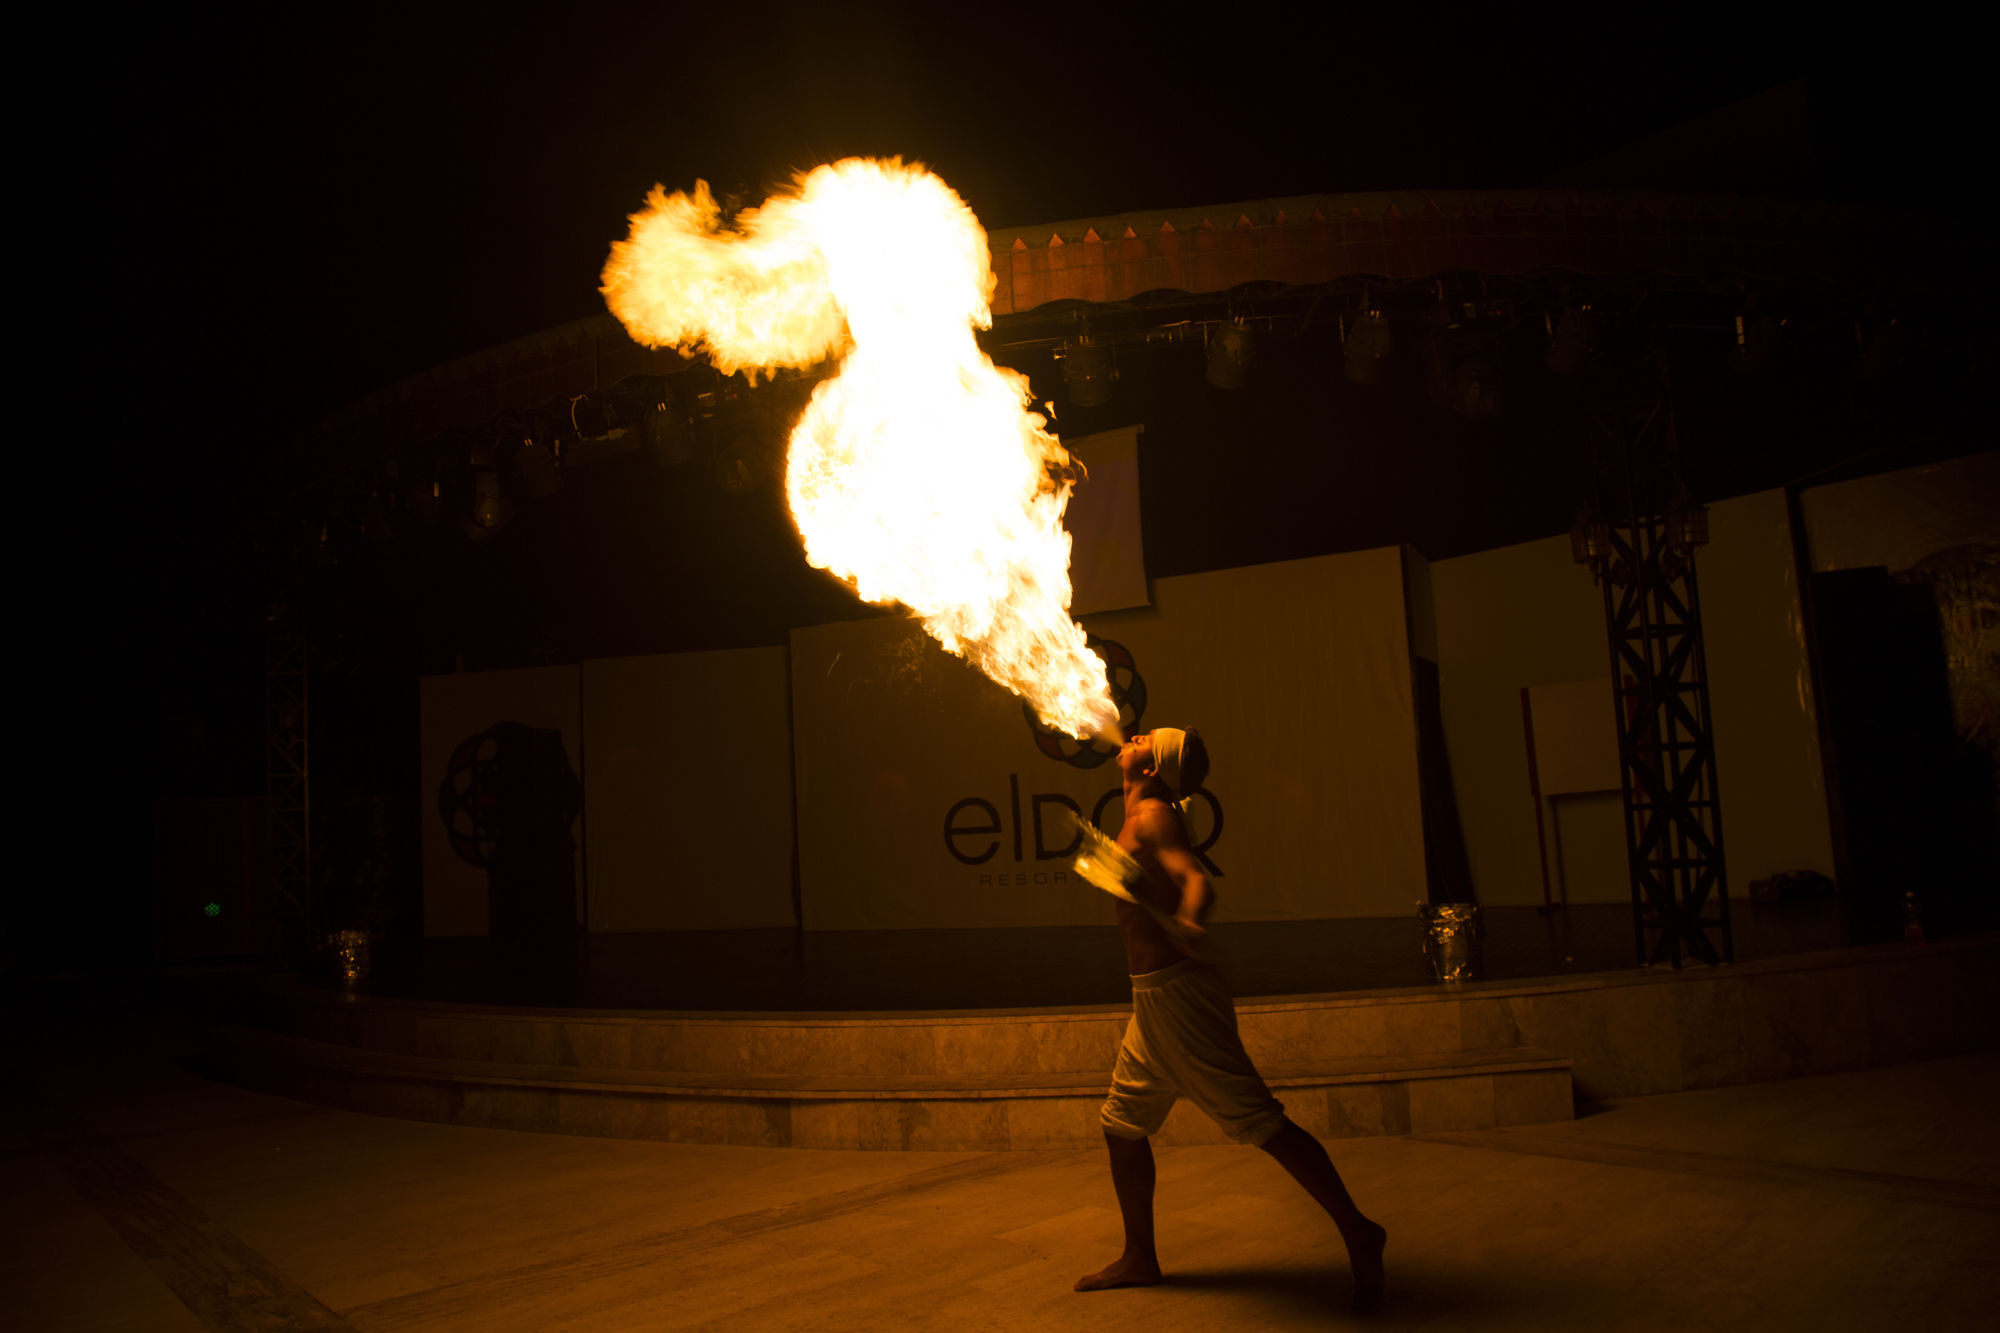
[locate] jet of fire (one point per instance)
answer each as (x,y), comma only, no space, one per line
(917,474)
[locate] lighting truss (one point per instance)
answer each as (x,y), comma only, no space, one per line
(1659,678)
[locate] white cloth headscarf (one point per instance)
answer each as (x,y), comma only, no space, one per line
(1167,744)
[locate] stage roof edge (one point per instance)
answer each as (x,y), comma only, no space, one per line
(1298,241)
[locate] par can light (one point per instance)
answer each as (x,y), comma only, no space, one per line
(1088,371)
(1369,343)
(1232,355)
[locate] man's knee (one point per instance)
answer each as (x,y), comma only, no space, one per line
(1280,1134)
(1121,1128)
(1133,1117)
(1128,1147)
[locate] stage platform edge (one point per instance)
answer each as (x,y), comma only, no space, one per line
(1411,1060)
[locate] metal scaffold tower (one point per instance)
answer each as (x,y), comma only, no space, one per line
(288,782)
(1639,537)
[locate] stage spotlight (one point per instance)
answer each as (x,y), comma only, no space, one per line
(1573,342)
(491,510)
(1686,533)
(1232,355)
(602,424)
(669,425)
(1687,523)
(736,469)
(538,464)
(1590,542)
(745,448)
(1476,389)
(1464,369)
(1088,371)
(747,463)
(1369,343)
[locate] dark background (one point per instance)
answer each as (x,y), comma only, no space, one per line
(293,208)
(373,193)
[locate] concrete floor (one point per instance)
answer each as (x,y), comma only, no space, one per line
(137,1196)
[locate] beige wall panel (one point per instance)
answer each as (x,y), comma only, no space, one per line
(1519,615)
(1898,518)
(1576,767)
(1587,860)
(1528,616)
(1766,743)
(1107,563)
(1576,737)
(451,709)
(690,791)
(1297,673)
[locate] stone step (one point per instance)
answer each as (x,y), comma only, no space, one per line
(1308,1031)
(1419,1093)
(1627,1034)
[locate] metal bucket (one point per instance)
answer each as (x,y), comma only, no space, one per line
(350,956)
(1452,932)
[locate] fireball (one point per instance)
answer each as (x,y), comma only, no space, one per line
(918,473)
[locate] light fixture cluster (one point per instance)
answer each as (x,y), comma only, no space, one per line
(1465,342)
(1089,371)
(1366,346)
(481,479)
(1610,550)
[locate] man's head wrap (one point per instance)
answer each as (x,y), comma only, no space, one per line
(1167,743)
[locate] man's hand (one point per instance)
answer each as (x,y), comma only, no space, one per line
(1190,937)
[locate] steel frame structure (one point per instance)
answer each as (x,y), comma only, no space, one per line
(288,782)
(1659,686)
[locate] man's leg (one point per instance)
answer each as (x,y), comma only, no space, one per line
(1303,1155)
(1132,1176)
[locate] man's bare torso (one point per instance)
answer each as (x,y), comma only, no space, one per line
(1148,947)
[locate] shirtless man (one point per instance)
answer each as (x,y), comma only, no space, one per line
(1182,1039)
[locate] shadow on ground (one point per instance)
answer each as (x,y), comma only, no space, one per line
(1417,1293)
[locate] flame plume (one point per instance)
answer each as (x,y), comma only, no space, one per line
(917,474)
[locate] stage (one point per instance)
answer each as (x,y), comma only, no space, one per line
(1022,1061)
(928,970)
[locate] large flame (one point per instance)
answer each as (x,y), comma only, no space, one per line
(918,473)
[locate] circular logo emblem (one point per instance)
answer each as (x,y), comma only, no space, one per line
(1128,691)
(469,798)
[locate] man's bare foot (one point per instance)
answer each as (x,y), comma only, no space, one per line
(1364,1256)
(1124,1272)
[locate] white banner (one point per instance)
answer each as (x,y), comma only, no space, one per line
(690,815)
(927,798)
(463,803)
(1107,562)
